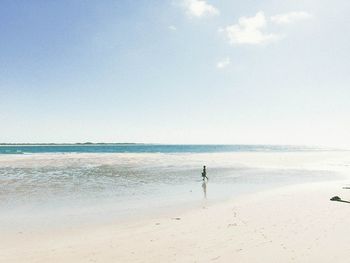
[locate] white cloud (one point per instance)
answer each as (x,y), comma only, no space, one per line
(223,63)
(291,17)
(173,28)
(250,30)
(199,8)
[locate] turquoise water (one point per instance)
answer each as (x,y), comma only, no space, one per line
(146,148)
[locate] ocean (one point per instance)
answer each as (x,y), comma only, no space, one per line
(146,148)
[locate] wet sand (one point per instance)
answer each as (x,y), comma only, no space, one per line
(289,224)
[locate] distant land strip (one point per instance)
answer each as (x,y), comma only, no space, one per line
(62,144)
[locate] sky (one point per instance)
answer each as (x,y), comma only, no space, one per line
(175,71)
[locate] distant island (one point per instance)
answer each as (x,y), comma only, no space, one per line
(60,144)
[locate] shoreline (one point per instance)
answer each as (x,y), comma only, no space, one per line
(290,224)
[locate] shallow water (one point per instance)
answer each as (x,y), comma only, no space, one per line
(55,187)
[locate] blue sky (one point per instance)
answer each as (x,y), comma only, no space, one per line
(177,71)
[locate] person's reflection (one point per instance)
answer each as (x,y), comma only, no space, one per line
(204,186)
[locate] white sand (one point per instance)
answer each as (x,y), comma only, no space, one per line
(292,224)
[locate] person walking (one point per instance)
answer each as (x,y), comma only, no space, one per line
(204,173)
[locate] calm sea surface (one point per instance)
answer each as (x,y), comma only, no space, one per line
(146,148)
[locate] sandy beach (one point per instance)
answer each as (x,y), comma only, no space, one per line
(175,131)
(289,224)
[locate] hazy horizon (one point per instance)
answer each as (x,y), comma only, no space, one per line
(142,143)
(243,147)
